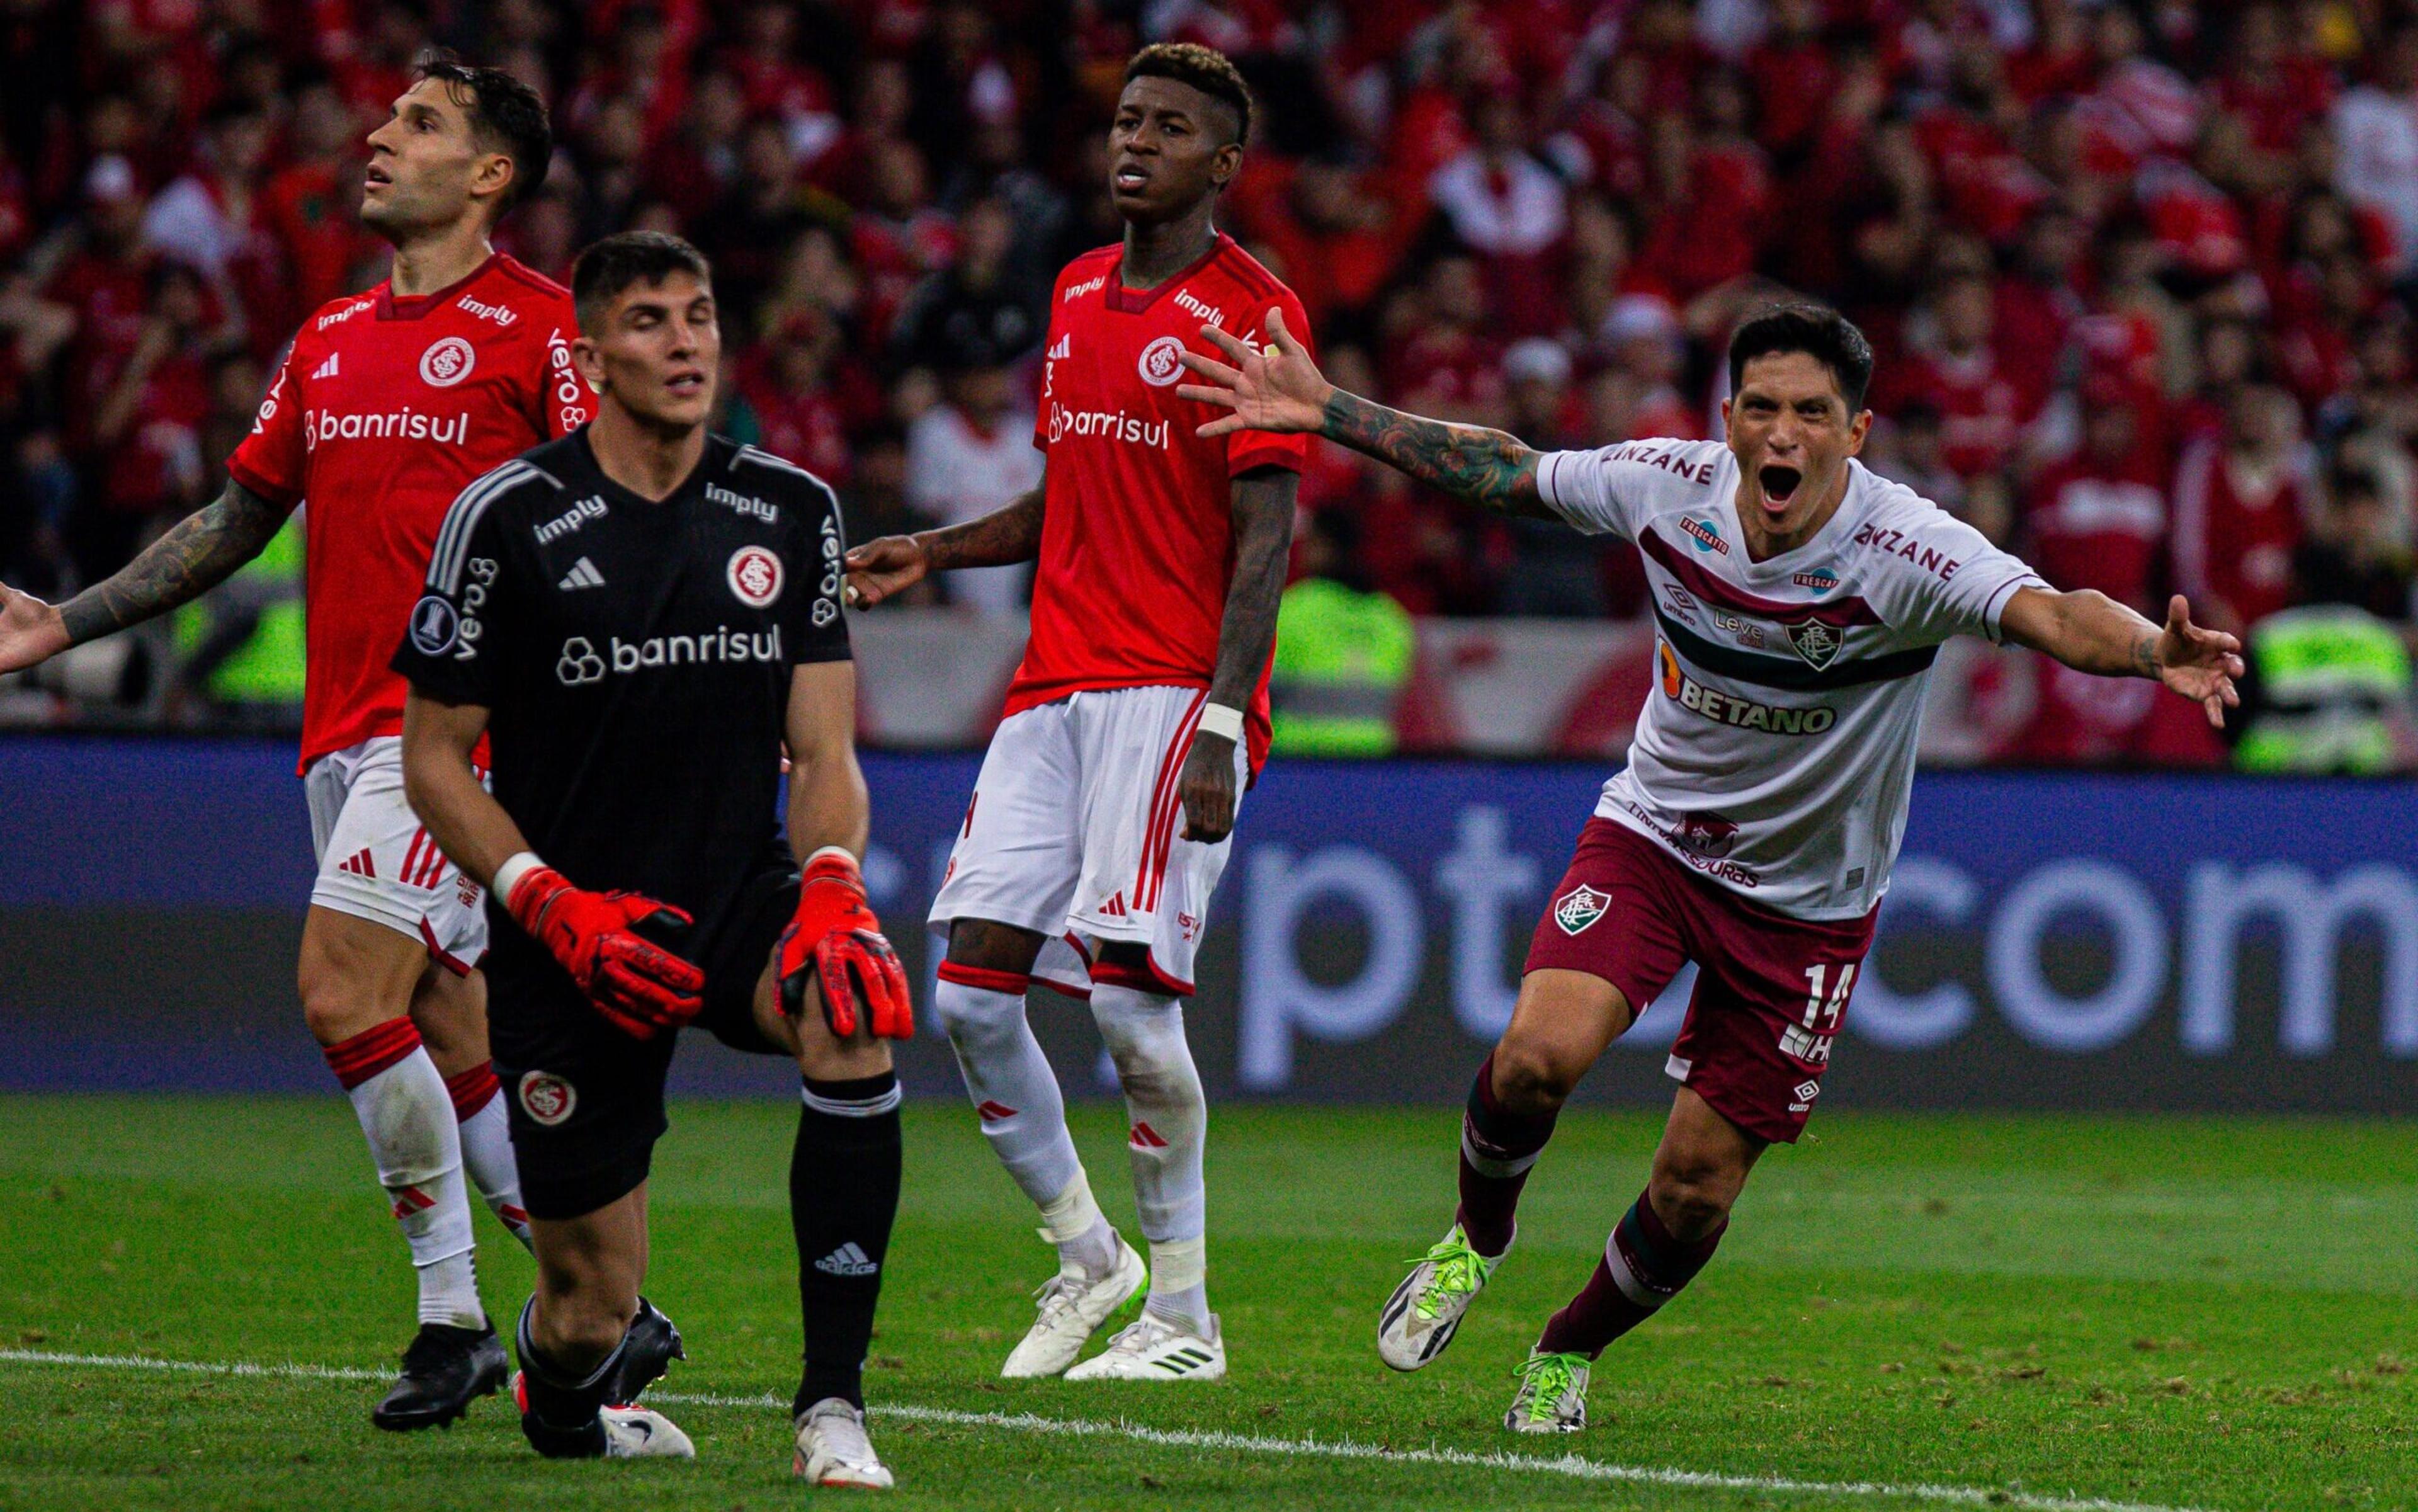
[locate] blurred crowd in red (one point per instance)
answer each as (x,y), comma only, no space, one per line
(2139,276)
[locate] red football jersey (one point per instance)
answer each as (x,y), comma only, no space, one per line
(383,410)
(1138,545)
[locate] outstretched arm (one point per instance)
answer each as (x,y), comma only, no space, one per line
(1263,510)
(2092,633)
(1277,387)
(884,567)
(201,552)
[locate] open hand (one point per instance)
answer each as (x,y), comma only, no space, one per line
(1275,387)
(30,630)
(2198,663)
(879,568)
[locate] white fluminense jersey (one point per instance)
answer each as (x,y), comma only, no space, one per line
(1777,748)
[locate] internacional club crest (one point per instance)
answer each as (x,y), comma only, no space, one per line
(1579,907)
(755,576)
(1816,642)
(546,1098)
(1161,362)
(447,362)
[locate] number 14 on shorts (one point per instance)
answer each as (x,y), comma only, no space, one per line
(1809,1043)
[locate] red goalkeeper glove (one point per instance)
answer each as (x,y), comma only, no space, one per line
(639,986)
(836,937)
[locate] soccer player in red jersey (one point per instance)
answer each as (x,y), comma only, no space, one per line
(387,403)
(1101,819)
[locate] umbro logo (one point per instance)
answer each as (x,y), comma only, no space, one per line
(583,575)
(847,1259)
(327,369)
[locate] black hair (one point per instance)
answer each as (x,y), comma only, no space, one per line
(1818,331)
(506,117)
(1204,68)
(604,268)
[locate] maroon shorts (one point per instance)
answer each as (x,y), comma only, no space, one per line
(1770,991)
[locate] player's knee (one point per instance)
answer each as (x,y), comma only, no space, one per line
(1692,1195)
(993,947)
(335,1008)
(977,1018)
(1534,1076)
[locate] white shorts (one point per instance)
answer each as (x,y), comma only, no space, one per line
(1074,832)
(378,861)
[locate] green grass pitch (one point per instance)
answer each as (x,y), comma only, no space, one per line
(1908,1312)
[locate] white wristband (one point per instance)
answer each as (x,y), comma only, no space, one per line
(508,875)
(1219,719)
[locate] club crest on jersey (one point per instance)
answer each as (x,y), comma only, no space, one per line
(1704,533)
(1816,642)
(447,362)
(434,626)
(755,576)
(1579,907)
(1160,364)
(547,1098)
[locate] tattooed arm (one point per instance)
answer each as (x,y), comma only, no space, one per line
(1263,511)
(1276,387)
(201,552)
(882,569)
(2091,632)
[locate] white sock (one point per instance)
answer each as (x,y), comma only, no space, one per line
(1169,1125)
(1072,1220)
(408,1120)
(487,1147)
(1014,1091)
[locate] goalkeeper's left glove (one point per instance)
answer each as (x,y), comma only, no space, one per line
(836,937)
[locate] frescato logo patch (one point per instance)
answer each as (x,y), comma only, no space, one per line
(447,362)
(547,1098)
(1579,907)
(755,576)
(1160,362)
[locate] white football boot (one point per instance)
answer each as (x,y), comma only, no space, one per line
(1073,1308)
(643,1433)
(1152,1349)
(1421,1316)
(832,1449)
(1552,1397)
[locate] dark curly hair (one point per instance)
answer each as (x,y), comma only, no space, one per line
(1204,68)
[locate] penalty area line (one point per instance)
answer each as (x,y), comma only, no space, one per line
(1575,1467)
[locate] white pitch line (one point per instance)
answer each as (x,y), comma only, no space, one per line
(1576,1467)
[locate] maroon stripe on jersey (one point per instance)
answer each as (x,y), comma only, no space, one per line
(1838,614)
(1165,798)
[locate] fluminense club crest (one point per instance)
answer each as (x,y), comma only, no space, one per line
(1579,907)
(1816,642)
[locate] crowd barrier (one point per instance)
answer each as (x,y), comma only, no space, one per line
(2174,942)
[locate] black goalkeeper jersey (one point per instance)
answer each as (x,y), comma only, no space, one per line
(635,657)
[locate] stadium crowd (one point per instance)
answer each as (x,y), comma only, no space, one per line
(2139,277)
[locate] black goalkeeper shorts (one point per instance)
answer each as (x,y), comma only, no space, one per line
(587,1100)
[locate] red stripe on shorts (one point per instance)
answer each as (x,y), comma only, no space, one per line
(1165,800)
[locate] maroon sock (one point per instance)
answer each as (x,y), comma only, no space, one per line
(1642,1267)
(1498,1147)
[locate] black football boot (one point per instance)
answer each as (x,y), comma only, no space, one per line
(444,1371)
(647,1351)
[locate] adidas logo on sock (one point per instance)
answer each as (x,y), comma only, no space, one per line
(992,1111)
(327,369)
(583,575)
(847,1259)
(1145,1138)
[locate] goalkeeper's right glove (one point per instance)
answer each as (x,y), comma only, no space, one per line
(639,986)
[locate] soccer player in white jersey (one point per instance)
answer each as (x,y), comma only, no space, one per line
(1800,600)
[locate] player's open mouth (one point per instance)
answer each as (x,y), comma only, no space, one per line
(685,384)
(1779,484)
(1131,179)
(376,177)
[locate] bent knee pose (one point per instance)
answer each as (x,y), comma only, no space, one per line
(1801,601)
(637,676)
(1105,810)
(393,928)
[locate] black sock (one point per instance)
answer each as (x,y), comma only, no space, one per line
(843,1195)
(558,1410)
